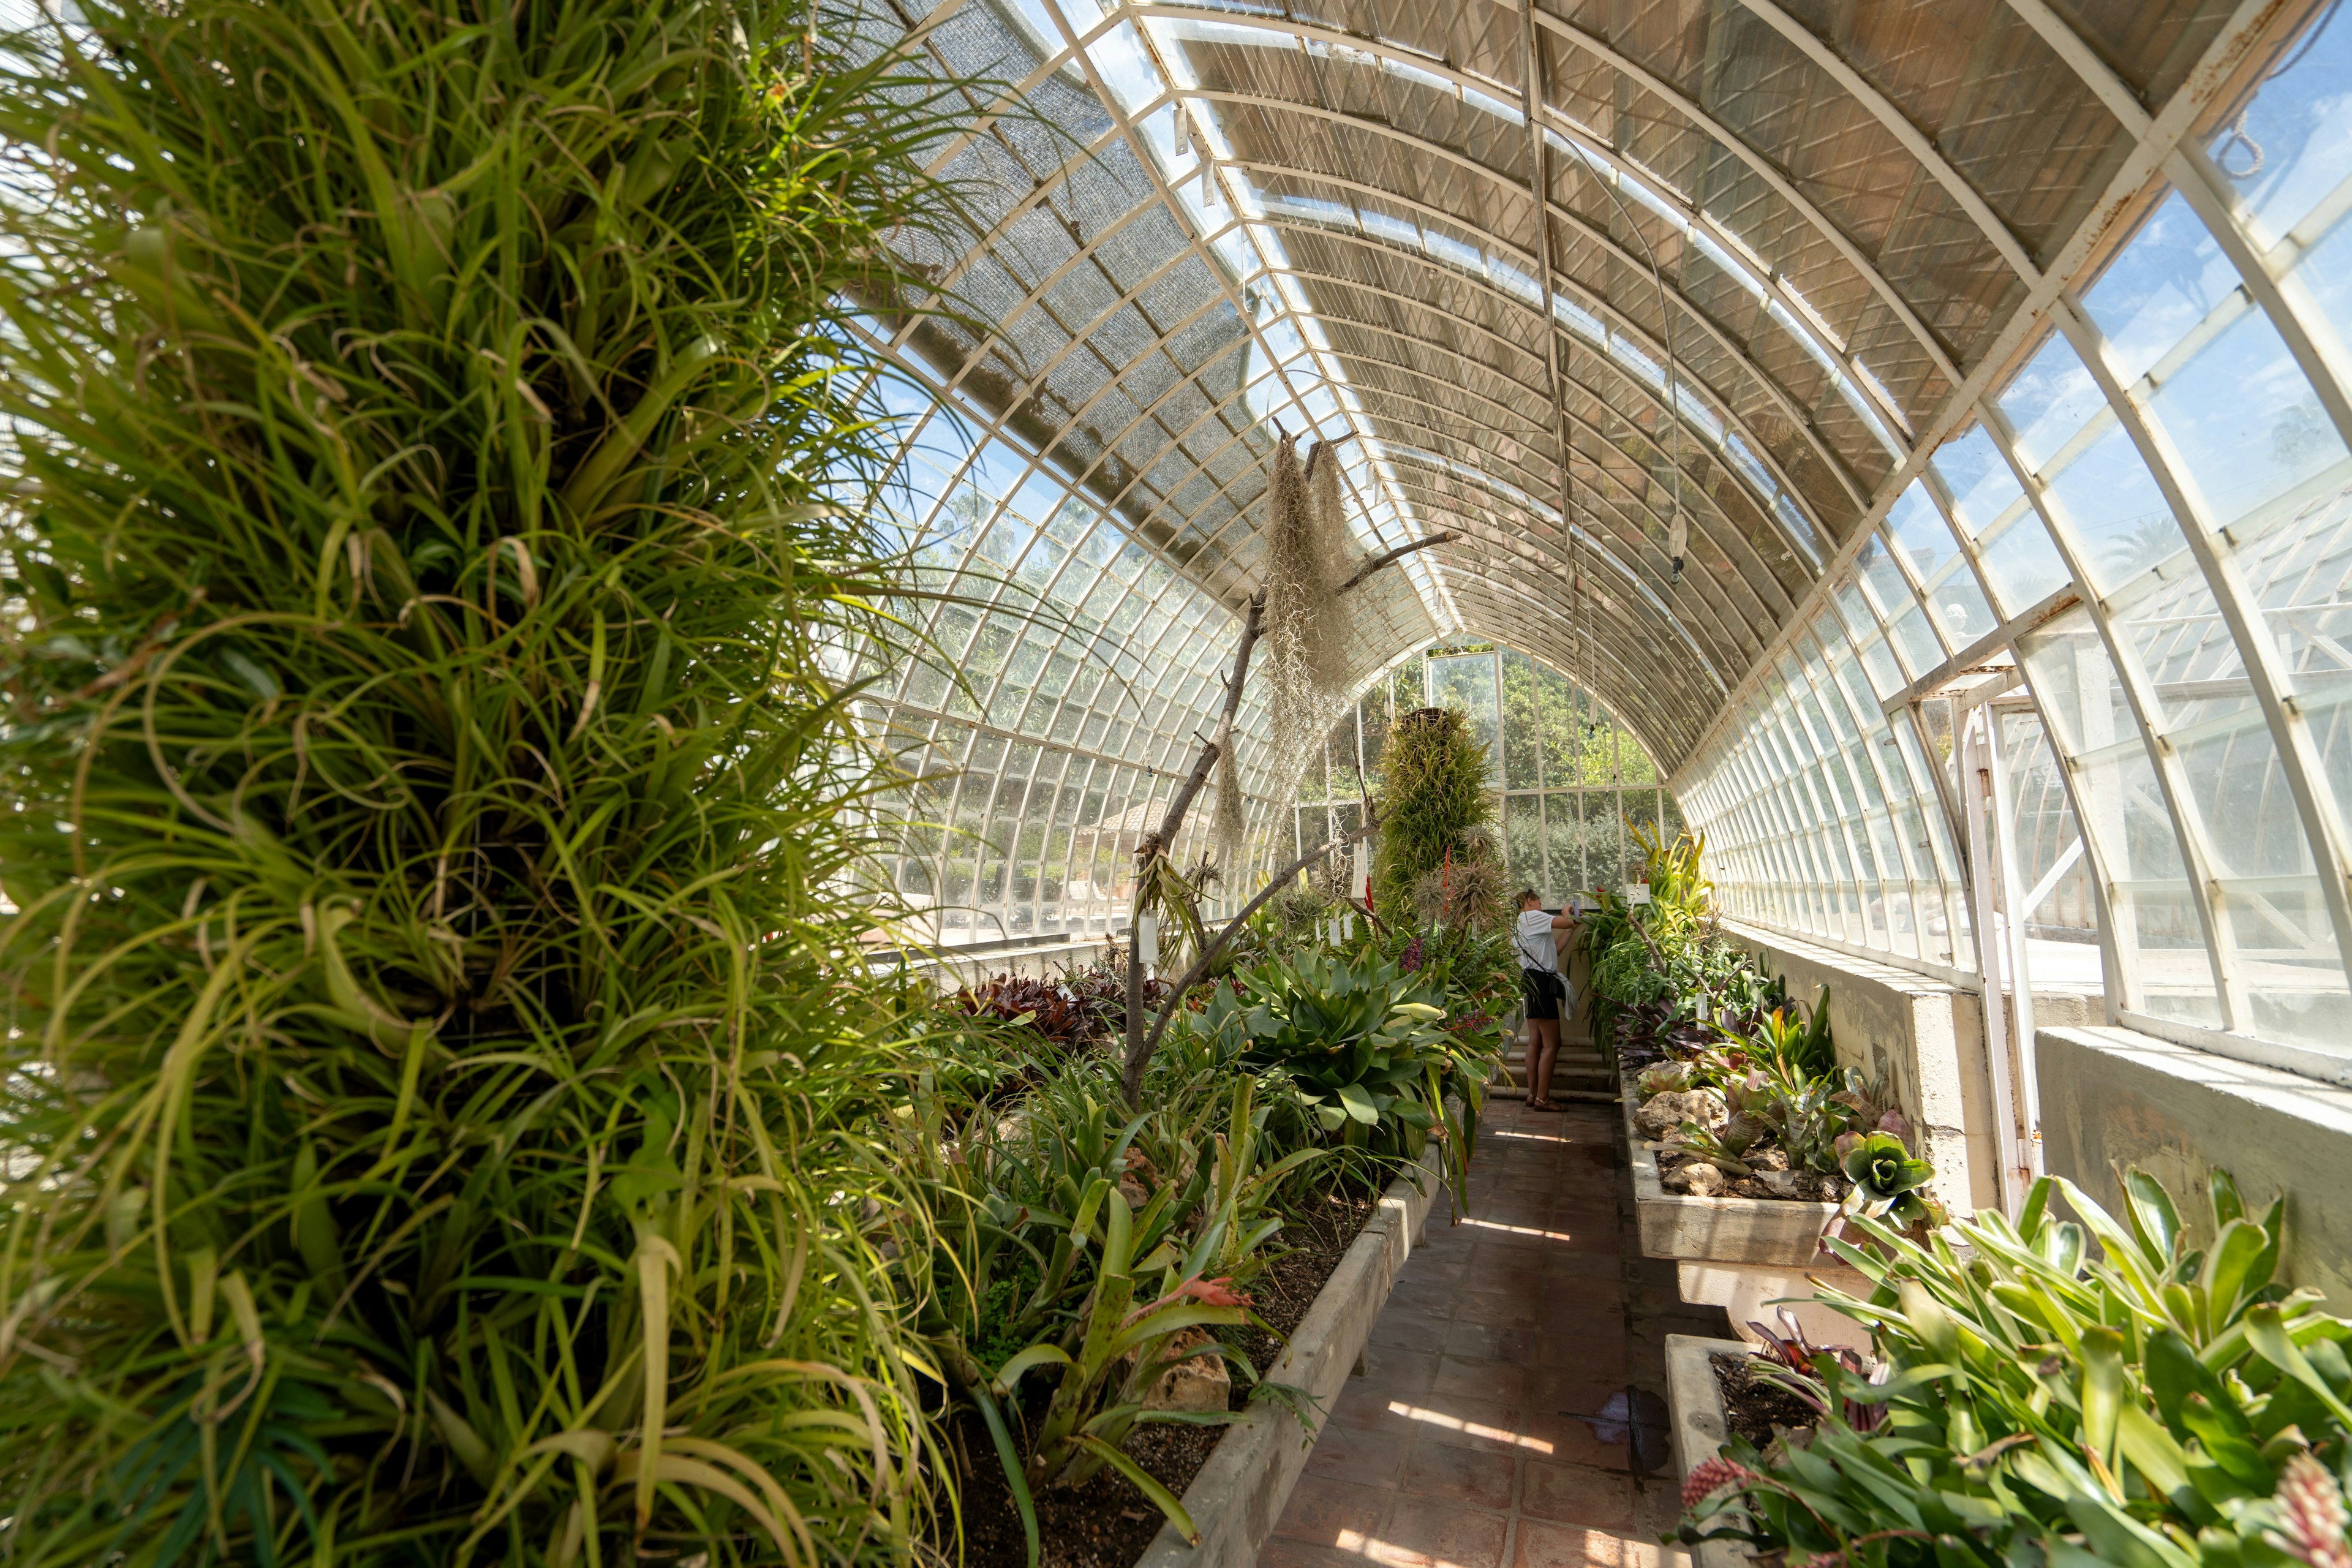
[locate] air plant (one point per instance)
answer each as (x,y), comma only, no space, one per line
(438,1089)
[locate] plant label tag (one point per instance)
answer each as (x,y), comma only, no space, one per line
(1147,940)
(1637,892)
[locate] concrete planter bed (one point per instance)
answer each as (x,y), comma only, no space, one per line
(1740,1254)
(1237,1497)
(1695,1407)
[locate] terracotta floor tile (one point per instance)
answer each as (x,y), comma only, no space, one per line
(1485,1424)
(1517,1310)
(1477,1477)
(1370,1459)
(1542,1544)
(1324,1513)
(1280,1552)
(1499,1382)
(1398,1329)
(1398,1371)
(1422,1530)
(1473,1340)
(1577,1494)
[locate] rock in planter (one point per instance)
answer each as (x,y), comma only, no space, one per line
(1200,1383)
(1700,1179)
(1662,1113)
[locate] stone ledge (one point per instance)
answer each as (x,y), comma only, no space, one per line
(1783,1232)
(1695,1405)
(1237,1498)
(2116,1098)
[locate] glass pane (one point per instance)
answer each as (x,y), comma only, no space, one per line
(1467,683)
(1522,731)
(2245,422)
(2277,935)
(1604,844)
(1564,844)
(2162,286)
(1523,841)
(1558,704)
(2157,927)
(2062,924)
(2107,494)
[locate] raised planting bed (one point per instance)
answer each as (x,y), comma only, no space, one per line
(1234,1481)
(1740,1253)
(1700,1424)
(1238,1496)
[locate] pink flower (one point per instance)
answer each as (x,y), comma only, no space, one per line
(2312,1517)
(1213,1292)
(1710,1477)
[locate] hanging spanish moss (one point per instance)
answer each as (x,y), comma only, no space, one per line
(1228,826)
(1304,652)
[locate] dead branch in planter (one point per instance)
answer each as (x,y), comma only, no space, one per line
(1171,822)
(1140,1052)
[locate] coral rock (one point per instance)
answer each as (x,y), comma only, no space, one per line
(1200,1383)
(1701,1179)
(1662,1114)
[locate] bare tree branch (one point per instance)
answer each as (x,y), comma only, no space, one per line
(1390,558)
(1140,1052)
(1172,821)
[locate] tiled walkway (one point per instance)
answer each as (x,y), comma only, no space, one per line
(1512,1411)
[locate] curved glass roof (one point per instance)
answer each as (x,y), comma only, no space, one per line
(1830,391)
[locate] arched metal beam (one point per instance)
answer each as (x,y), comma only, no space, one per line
(1588,147)
(1643,389)
(1772,388)
(1830,459)
(1645,542)
(1746,485)
(1910,136)
(1847,250)
(1763,167)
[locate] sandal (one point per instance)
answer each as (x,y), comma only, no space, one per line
(1535,1104)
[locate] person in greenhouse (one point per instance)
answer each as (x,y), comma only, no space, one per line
(1546,989)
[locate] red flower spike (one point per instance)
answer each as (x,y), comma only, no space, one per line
(1710,1477)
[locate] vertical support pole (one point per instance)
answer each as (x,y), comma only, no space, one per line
(2029,1087)
(1976,801)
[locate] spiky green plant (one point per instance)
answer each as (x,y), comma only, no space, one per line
(1433,800)
(431,1092)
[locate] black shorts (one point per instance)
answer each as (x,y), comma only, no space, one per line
(1543,992)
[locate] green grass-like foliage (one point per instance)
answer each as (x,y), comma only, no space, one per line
(1434,793)
(2160,1401)
(428,1092)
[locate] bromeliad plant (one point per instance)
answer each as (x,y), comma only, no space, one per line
(435,1077)
(2156,1404)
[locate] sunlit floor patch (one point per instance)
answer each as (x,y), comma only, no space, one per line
(1468,1428)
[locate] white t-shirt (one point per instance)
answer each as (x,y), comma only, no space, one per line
(1536,950)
